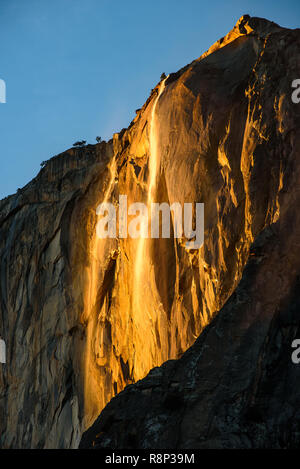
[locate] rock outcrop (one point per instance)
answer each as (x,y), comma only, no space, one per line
(84,317)
(237,386)
(40,384)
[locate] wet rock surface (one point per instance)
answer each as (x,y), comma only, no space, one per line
(78,325)
(236,387)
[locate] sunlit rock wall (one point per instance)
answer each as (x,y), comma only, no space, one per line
(80,316)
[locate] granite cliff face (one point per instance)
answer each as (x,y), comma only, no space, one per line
(236,387)
(84,317)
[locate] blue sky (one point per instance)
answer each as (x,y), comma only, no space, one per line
(75,69)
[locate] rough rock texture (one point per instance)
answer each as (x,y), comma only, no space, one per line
(83,317)
(39,388)
(236,387)
(237,142)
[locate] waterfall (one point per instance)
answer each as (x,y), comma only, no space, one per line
(96,243)
(89,316)
(153,166)
(153,147)
(141,315)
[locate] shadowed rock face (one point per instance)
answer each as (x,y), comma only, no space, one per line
(40,386)
(82,318)
(236,387)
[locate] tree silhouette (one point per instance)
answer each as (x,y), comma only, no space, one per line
(80,143)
